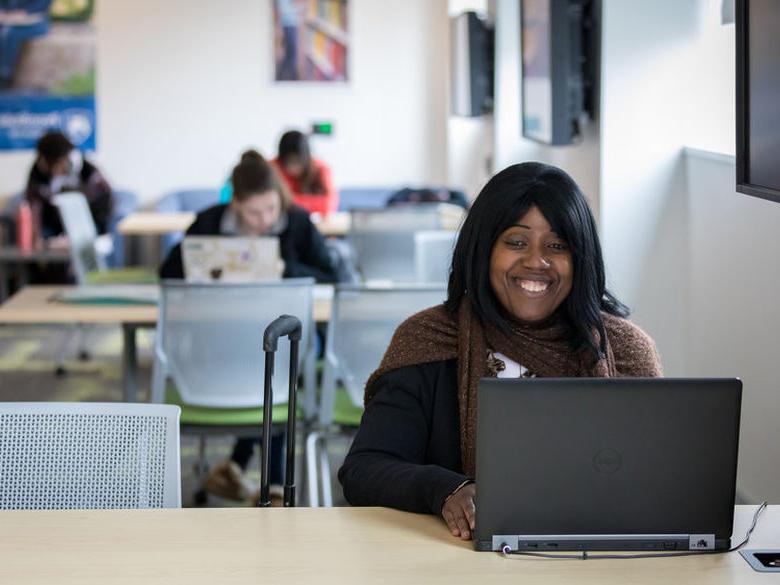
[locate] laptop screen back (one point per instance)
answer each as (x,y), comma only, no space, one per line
(231,259)
(606,456)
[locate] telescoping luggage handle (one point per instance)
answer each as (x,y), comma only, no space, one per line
(288,326)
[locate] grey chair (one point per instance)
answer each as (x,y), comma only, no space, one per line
(363,321)
(433,255)
(384,238)
(208,356)
(88,455)
(194,200)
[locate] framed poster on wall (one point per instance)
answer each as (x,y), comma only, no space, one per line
(311,40)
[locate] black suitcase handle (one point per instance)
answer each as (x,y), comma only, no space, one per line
(289,326)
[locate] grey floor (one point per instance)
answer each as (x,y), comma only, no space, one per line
(28,358)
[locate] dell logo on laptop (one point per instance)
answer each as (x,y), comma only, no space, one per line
(607,461)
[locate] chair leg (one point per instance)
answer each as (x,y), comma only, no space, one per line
(327,495)
(201,496)
(83,336)
(312,440)
(202,464)
(62,350)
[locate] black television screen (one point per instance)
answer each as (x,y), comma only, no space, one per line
(552,93)
(758,98)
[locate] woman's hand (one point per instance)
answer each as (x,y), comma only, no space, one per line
(458,511)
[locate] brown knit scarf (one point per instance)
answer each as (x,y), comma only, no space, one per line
(437,335)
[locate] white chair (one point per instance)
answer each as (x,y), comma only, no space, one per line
(433,255)
(82,235)
(363,321)
(209,347)
(88,455)
(384,238)
(88,253)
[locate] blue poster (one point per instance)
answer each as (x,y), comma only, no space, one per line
(47,72)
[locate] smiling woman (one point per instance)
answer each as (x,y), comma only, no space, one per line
(527,297)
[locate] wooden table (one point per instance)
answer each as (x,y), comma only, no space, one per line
(34,305)
(158,223)
(155,223)
(315,545)
(335,224)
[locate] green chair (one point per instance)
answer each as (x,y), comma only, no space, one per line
(208,356)
(363,320)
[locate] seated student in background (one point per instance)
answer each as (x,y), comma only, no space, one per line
(261,206)
(526,298)
(60,167)
(309,179)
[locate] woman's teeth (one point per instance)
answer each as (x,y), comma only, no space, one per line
(534,286)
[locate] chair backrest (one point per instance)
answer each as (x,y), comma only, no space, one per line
(89,455)
(210,340)
(125,203)
(364,197)
(194,200)
(383,239)
(82,234)
(433,255)
(188,200)
(362,324)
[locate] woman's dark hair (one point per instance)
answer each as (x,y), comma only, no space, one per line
(53,146)
(294,144)
(253,175)
(504,199)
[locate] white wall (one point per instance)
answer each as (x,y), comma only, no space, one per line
(648,93)
(694,259)
(734,316)
(581,161)
(184,86)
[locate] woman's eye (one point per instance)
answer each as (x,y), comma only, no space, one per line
(516,243)
(559,246)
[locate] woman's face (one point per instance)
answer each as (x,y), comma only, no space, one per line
(294,166)
(259,212)
(531,268)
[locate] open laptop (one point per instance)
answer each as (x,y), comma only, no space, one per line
(231,259)
(606,464)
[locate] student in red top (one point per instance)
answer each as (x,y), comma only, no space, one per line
(309,179)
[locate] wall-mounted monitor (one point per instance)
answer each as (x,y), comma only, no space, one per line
(758,98)
(471,65)
(553,62)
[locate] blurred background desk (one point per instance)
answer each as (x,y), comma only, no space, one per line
(37,305)
(159,223)
(155,223)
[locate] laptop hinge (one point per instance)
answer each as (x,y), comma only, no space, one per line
(513,542)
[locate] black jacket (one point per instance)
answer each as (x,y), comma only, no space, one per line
(406,454)
(91,183)
(301,245)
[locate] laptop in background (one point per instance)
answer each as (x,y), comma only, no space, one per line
(231,259)
(606,464)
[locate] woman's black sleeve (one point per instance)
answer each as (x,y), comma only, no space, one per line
(388,462)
